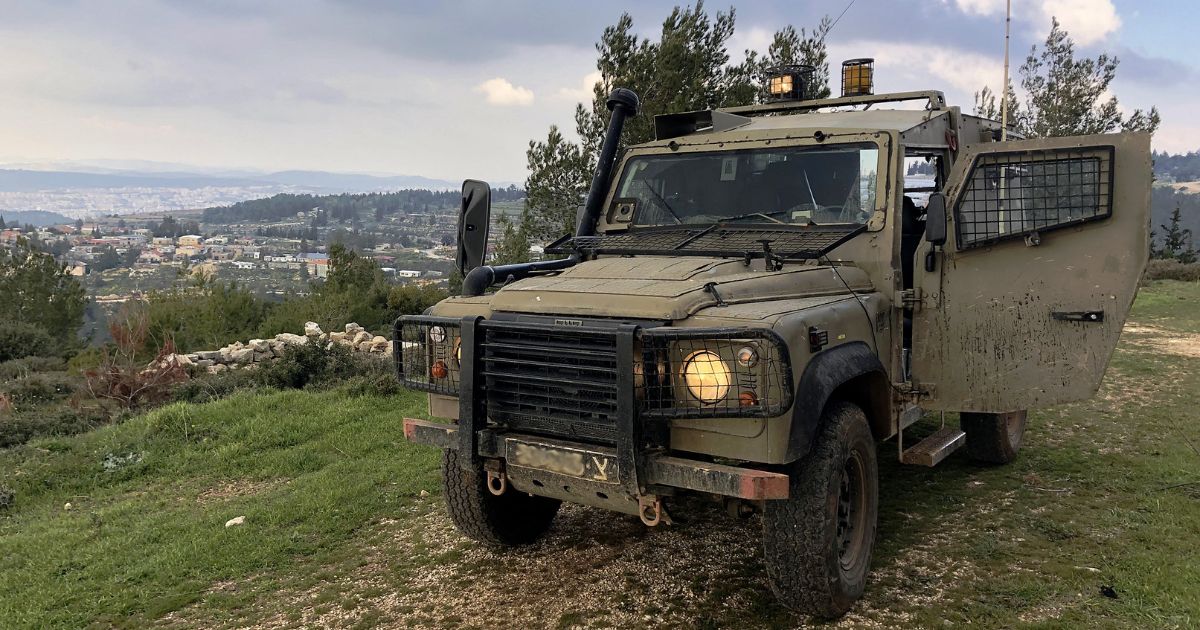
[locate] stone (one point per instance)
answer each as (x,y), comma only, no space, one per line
(364,346)
(352,328)
(67,506)
(278,349)
(312,329)
(424,493)
(263,355)
(291,339)
(379,344)
(205,363)
(208,355)
(242,355)
(259,345)
(337,336)
(361,336)
(217,368)
(182,359)
(235,521)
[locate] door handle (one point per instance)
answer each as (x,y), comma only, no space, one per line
(1078,316)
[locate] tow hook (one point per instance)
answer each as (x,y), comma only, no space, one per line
(497,481)
(651,511)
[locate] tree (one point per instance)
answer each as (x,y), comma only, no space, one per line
(686,69)
(559,175)
(40,291)
(1177,241)
(1065,96)
(514,240)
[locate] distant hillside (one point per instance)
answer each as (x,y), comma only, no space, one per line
(23,180)
(1184,167)
(345,207)
(33,217)
(1163,201)
(32,181)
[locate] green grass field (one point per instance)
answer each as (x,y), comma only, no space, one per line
(125,526)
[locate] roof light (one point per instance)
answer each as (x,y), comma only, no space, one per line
(787,83)
(858,77)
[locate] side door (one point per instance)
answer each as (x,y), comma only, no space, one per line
(1046,242)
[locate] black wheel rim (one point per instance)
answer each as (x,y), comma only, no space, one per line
(852,513)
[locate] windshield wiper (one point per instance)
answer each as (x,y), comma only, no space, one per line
(666,206)
(749,215)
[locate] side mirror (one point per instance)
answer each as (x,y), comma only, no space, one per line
(935,219)
(473,220)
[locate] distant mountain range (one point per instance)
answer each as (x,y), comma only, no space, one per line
(29,180)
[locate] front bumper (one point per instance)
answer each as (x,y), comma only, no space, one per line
(657,469)
(637,404)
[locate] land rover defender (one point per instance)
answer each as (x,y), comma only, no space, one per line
(757,298)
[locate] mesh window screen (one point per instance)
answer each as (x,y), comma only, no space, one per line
(1010,195)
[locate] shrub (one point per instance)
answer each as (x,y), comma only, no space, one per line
(21,427)
(39,388)
(20,339)
(20,368)
(210,387)
(1167,269)
(122,377)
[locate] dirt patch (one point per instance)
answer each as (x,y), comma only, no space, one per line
(1163,340)
(595,569)
(236,488)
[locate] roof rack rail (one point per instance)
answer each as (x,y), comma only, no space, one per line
(935,100)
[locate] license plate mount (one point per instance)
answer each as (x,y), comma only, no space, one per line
(571,461)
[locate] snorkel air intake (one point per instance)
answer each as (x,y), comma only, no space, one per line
(623,103)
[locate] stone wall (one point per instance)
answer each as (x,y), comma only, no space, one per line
(238,355)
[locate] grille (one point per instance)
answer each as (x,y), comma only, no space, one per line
(556,382)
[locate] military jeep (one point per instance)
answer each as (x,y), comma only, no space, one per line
(756,299)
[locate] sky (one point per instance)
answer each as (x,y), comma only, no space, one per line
(456,89)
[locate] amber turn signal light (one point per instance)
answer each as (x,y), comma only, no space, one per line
(747,399)
(439,369)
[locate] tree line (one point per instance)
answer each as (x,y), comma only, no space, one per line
(345,207)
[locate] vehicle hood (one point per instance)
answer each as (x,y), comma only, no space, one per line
(674,288)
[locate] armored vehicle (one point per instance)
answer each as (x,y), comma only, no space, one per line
(758,298)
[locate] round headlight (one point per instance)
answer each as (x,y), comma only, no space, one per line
(747,356)
(707,377)
(437,334)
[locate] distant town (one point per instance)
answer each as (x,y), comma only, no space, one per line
(276,246)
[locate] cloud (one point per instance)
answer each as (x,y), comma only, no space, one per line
(582,92)
(499,91)
(1088,21)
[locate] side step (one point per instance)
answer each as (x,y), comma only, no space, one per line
(933,449)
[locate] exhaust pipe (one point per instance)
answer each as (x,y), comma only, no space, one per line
(623,103)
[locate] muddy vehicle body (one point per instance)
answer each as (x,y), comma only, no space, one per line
(755,299)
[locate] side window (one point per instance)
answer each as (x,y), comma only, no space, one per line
(1011,195)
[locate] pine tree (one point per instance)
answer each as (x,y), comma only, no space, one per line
(1065,96)
(1177,241)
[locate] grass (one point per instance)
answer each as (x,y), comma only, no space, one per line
(1106,492)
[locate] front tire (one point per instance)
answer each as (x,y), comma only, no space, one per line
(513,518)
(994,438)
(818,541)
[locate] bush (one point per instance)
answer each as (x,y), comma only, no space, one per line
(1167,269)
(20,368)
(19,428)
(39,388)
(122,376)
(19,340)
(210,387)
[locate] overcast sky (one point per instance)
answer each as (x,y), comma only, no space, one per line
(457,89)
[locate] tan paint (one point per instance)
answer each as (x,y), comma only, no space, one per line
(985,339)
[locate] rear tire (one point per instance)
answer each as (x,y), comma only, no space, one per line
(994,438)
(513,518)
(818,542)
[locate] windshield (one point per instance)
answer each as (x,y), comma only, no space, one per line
(791,185)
